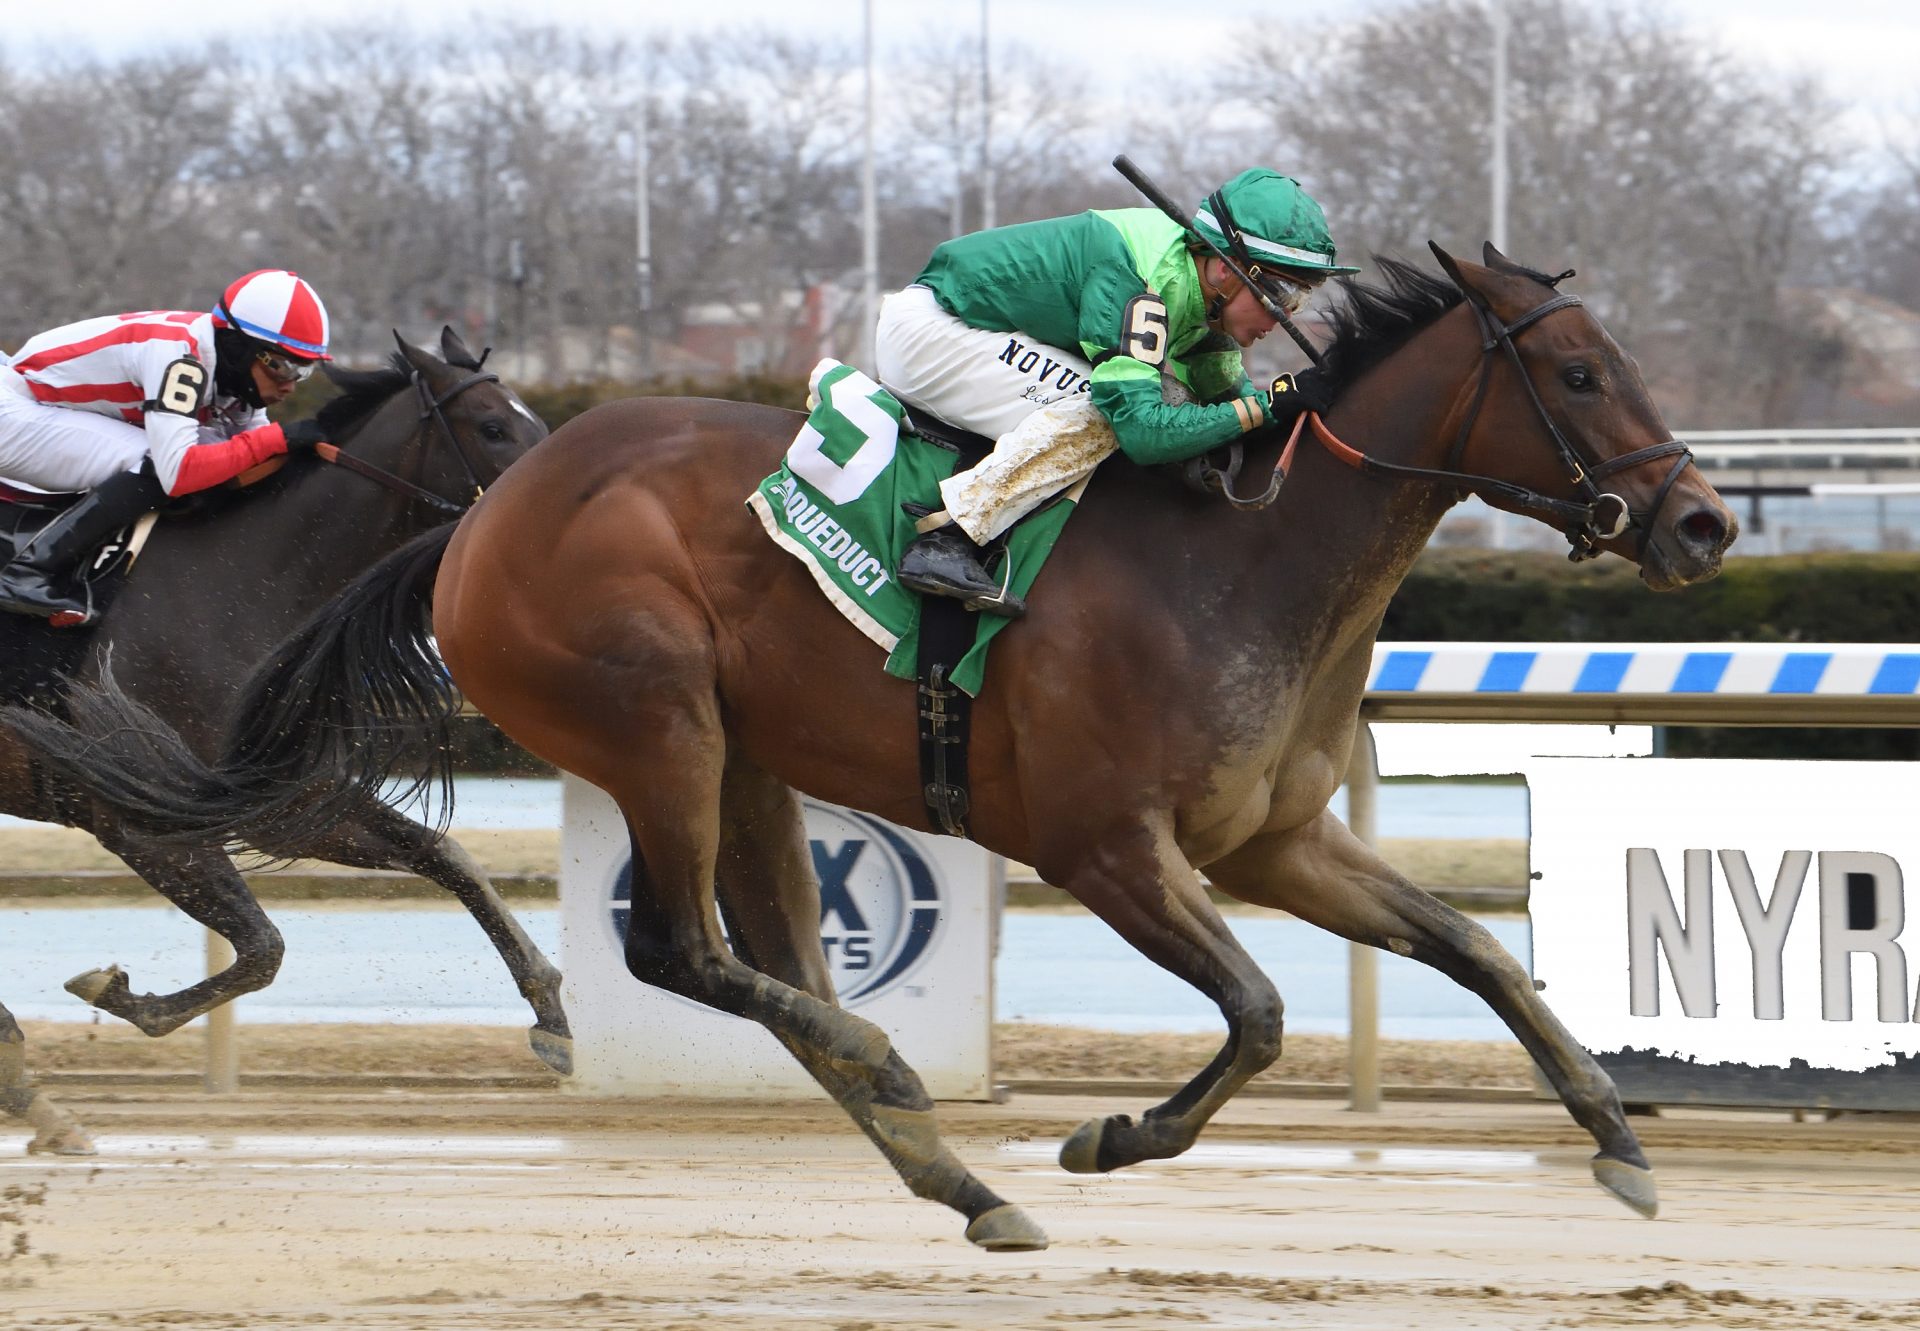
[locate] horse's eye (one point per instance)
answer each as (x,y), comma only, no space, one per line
(493,429)
(1580,379)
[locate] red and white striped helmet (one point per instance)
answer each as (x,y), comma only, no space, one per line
(276,306)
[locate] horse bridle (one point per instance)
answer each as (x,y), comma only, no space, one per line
(1602,517)
(431,408)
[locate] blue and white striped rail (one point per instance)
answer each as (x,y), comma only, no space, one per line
(1703,683)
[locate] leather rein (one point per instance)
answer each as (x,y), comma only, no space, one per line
(1603,516)
(431,409)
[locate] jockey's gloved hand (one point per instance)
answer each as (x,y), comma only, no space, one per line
(1292,394)
(301,436)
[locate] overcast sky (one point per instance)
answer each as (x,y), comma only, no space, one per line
(1865,50)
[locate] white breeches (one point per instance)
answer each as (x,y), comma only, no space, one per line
(1030,397)
(58,448)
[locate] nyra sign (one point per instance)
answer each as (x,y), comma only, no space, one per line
(1744,932)
(905,920)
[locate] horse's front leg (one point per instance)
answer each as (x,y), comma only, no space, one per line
(204,884)
(381,838)
(1325,875)
(55,1131)
(1138,882)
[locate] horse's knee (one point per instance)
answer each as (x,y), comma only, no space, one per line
(1262,1022)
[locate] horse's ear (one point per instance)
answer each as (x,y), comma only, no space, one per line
(1459,272)
(418,357)
(453,349)
(1497,261)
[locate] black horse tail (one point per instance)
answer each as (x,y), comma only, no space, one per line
(353,707)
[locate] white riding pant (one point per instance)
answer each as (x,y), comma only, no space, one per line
(1030,397)
(59,448)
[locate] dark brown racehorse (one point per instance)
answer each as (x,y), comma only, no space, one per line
(214,590)
(1182,696)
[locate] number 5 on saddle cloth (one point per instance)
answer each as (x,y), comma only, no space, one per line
(843,503)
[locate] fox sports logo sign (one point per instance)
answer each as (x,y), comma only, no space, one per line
(879,901)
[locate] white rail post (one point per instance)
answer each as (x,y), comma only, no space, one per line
(222,1076)
(1363,963)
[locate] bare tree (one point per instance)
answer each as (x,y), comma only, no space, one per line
(1684,187)
(104,199)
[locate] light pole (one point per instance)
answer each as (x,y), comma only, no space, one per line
(986,125)
(643,242)
(1498,165)
(869,214)
(1497,172)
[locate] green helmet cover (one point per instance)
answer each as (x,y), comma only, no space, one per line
(1280,224)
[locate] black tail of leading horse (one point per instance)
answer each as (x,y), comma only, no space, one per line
(354,706)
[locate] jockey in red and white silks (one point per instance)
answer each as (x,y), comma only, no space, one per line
(87,401)
(86,406)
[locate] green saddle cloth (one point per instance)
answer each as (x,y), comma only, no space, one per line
(835,505)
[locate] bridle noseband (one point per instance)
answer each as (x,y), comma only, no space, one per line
(1602,517)
(430,409)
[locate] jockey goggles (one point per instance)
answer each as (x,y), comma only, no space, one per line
(1287,291)
(284,369)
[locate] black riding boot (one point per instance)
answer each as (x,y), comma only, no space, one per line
(38,581)
(946,562)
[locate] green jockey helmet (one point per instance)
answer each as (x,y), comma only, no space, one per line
(1266,221)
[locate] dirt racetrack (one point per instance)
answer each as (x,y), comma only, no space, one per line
(534,1209)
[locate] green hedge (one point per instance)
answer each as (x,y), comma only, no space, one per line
(559,403)
(1479,596)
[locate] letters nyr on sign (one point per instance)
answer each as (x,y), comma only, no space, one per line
(1860,908)
(880,901)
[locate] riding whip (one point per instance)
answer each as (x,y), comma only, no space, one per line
(1124,165)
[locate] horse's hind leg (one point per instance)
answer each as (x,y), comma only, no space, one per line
(653,740)
(55,1131)
(770,897)
(382,838)
(1327,876)
(204,884)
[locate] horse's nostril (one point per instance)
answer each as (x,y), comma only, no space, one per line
(1704,528)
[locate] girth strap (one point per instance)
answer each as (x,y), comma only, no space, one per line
(946,632)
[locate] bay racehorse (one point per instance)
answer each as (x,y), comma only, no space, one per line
(214,589)
(1181,696)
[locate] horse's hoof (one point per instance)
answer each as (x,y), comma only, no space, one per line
(91,986)
(556,1051)
(1632,1184)
(1006,1229)
(1080,1153)
(63,1141)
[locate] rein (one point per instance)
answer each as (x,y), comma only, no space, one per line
(430,409)
(1603,516)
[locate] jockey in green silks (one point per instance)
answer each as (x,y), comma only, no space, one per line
(1052,337)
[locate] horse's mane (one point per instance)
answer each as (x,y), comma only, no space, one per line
(1375,321)
(362,392)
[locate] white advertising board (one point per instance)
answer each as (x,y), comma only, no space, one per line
(1748,923)
(1454,748)
(907,920)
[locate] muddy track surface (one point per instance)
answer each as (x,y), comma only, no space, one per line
(540,1210)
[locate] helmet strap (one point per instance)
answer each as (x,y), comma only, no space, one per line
(233,353)
(1217,298)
